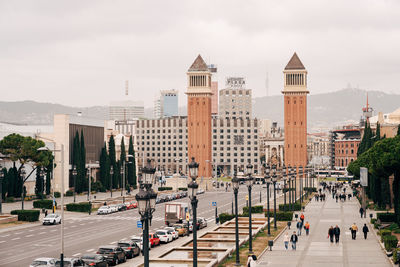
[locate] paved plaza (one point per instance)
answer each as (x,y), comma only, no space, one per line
(316,250)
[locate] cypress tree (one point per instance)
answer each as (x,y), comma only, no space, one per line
(132,165)
(377,132)
(83,181)
(113,163)
(122,160)
(48,180)
(76,155)
(398,130)
(104,168)
(39,183)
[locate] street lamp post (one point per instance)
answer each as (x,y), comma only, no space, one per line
(1,190)
(290,186)
(62,196)
(111,178)
(301,184)
(249,186)
(268,181)
(235,184)
(42,177)
(274,179)
(146,199)
(284,186)
(295,185)
(74,173)
(192,187)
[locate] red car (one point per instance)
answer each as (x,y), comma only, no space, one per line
(128,205)
(154,240)
(134,204)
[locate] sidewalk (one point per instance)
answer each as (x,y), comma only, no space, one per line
(316,250)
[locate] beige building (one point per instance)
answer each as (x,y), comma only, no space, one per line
(273,145)
(235,99)
(318,146)
(389,122)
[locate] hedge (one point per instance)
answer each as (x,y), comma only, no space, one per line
(393,226)
(295,206)
(224,217)
(182,189)
(26,215)
(79,207)
(69,193)
(373,220)
(383,233)
(57,194)
(390,242)
(10,200)
(43,204)
(386,217)
(254,209)
(310,189)
(164,188)
(396,255)
(376,225)
(281,215)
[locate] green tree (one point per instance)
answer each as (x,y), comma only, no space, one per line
(39,190)
(398,130)
(122,160)
(83,181)
(104,167)
(132,165)
(24,150)
(113,163)
(76,159)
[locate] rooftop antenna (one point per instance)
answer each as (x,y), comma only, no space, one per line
(126,87)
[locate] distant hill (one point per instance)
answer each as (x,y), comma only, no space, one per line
(324,110)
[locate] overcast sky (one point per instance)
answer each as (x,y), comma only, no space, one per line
(81,52)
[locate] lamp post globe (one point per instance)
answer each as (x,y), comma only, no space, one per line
(193,169)
(148,174)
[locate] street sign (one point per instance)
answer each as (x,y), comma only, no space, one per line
(139,224)
(363,176)
(214,203)
(187,216)
(247,197)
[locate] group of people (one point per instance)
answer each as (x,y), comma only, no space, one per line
(320,197)
(293,239)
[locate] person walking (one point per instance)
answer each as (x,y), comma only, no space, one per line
(331,234)
(251,261)
(336,232)
(302,219)
(307,228)
(337,197)
(361,212)
(354,230)
(286,240)
(299,225)
(365,230)
(294,240)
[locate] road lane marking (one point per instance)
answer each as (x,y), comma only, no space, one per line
(112,243)
(53,230)
(16,238)
(76,255)
(28,235)
(5,235)
(18,233)
(2,242)
(90,250)
(82,224)
(73,226)
(41,233)
(31,230)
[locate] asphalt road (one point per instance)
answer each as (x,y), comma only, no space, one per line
(84,233)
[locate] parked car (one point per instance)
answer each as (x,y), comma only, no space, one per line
(121,207)
(114,208)
(200,191)
(128,205)
(71,262)
(95,260)
(174,232)
(191,225)
(43,262)
(131,248)
(139,241)
(113,254)
(203,222)
(134,204)
(164,236)
(181,228)
(154,239)
(104,210)
(52,219)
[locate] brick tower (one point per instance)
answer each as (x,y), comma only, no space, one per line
(199,115)
(295,109)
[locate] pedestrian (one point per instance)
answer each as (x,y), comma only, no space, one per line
(361,212)
(302,218)
(307,228)
(250,261)
(354,230)
(294,240)
(336,232)
(365,230)
(349,196)
(286,240)
(299,225)
(337,197)
(331,234)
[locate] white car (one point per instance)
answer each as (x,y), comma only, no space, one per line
(164,236)
(43,262)
(53,218)
(175,234)
(139,241)
(104,210)
(114,208)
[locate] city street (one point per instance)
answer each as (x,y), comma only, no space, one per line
(84,233)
